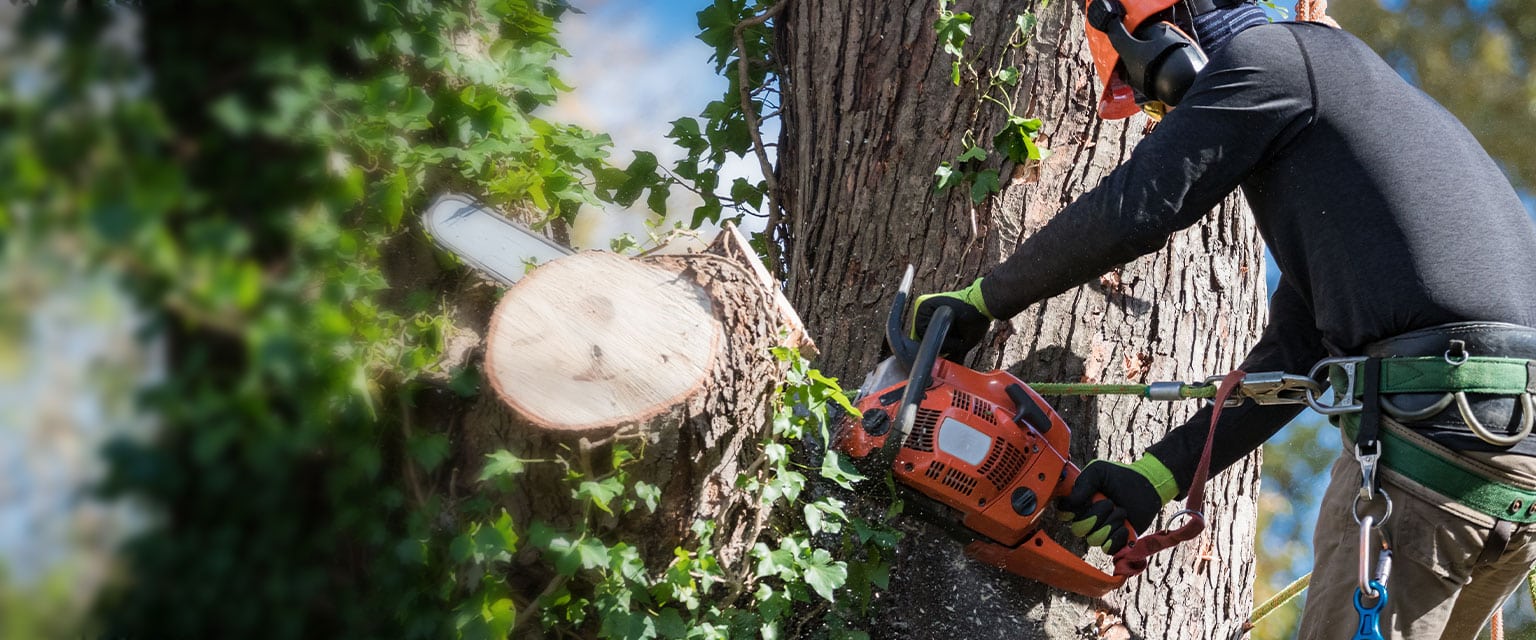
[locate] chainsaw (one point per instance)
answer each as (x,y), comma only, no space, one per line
(978,454)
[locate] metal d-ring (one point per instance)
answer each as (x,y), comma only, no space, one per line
(1385,515)
(1191,513)
(1527,419)
(1403,415)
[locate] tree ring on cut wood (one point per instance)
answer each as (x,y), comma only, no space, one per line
(596,340)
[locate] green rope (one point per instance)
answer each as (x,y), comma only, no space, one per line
(1278,600)
(1090,389)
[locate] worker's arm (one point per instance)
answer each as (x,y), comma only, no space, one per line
(1250,102)
(1134,493)
(1291,343)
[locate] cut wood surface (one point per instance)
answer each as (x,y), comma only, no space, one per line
(669,356)
(597,340)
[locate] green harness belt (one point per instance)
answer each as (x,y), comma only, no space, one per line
(1435,467)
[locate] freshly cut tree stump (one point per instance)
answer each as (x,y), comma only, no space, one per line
(597,340)
(670,356)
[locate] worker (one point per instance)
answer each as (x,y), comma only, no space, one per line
(1397,237)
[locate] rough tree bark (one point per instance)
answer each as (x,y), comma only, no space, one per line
(869,113)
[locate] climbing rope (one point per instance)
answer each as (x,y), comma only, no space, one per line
(1193,391)
(1284,597)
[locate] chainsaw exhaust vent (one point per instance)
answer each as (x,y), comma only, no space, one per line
(922,430)
(1003,464)
(962,400)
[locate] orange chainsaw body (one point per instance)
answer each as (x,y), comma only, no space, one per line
(988,447)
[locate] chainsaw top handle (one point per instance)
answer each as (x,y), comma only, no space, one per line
(902,346)
(922,366)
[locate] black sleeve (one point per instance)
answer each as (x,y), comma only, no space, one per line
(1248,102)
(1291,343)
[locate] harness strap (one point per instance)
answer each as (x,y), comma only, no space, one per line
(1132,559)
(1424,462)
(1475,374)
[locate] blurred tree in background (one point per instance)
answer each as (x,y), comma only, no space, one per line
(243,171)
(1474,56)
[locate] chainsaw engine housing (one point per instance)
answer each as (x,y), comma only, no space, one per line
(970,448)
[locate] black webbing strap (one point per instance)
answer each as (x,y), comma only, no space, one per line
(1370,412)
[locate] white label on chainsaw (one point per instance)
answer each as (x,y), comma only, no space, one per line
(958,439)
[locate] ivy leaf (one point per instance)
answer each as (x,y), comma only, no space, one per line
(502,464)
(947,176)
(986,183)
(592,553)
(1009,77)
(973,153)
(669,623)
(837,469)
(824,575)
(707,212)
(649,494)
(1017,139)
(774,562)
(746,193)
(657,201)
(953,30)
(500,615)
(600,493)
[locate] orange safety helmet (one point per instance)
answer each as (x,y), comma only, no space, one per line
(1139,52)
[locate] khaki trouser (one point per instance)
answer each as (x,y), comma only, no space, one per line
(1443,584)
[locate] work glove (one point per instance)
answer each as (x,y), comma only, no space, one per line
(971,318)
(1132,493)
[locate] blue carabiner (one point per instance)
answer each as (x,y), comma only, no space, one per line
(1370,617)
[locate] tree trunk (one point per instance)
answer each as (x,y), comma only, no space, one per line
(671,354)
(869,114)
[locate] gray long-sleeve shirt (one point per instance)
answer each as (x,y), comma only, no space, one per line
(1383,213)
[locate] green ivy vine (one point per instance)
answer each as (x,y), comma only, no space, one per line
(1015,140)
(814,565)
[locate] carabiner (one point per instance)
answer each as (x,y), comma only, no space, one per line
(1341,405)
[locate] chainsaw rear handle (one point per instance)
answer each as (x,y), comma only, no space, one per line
(1069,475)
(922,366)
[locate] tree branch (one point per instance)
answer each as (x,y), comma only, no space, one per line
(743,88)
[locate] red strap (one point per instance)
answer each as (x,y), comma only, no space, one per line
(1132,560)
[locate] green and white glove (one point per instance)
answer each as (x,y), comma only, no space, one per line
(971,318)
(1131,493)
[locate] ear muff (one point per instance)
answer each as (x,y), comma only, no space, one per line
(1159,60)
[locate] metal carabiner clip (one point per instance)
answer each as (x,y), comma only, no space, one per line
(1341,405)
(1277,387)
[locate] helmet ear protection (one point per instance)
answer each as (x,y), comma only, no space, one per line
(1159,61)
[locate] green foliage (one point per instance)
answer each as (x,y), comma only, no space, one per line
(953,29)
(46,607)
(1015,141)
(813,564)
(248,186)
(723,129)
